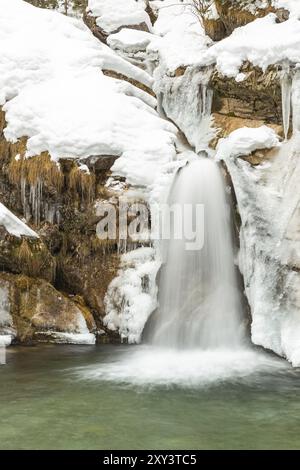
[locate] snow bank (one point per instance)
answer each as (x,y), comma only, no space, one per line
(246,140)
(112,15)
(180,38)
(64,104)
(89,115)
(130,40)
(53,91)
(132,45)
(293,6)
(132,295)
(269,206)
(37,45)
(262,42)
(13,225)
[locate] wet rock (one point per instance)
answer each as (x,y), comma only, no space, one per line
(37,309)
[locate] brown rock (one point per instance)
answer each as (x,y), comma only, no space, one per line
(257,97)
(36,306)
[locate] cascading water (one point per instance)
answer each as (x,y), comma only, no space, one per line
(199,300)
(197,335)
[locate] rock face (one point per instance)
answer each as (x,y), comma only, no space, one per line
(35,310)
(67,253)
(67,261)
(257,96)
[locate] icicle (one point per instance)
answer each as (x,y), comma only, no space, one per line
(23,194)
(296,101)
(35,198)
(286,89)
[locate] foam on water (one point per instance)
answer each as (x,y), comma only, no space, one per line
(151,366)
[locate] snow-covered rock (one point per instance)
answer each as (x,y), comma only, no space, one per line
(293,6)
(32,309)
(246,140)
(262,42)
(269,206)
(180,38)
(111,15)
(132,45)
(14,225)
(66,338)
(53,92)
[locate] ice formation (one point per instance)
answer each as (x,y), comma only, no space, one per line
(269,210)
(131,296)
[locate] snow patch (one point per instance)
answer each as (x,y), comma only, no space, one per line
(14,225)
(112,15)
(262,42)
(246,140)
(64,104)
(293,6)
(67,338)
(180,38)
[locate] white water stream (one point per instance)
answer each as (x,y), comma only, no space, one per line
(200,302)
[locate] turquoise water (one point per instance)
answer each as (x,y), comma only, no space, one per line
(53,397)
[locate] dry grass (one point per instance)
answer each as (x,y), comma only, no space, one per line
(35,169)
(82,183)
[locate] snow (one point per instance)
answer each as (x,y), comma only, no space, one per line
(43,44)
(132,45)
(67,338)
(5,340)
(262,42)
(13,225)
(181,39)
(112,15)
(246,140)
(132,295)
(81,336)
(130,40)
(293,6)
(53,91)
(131,90)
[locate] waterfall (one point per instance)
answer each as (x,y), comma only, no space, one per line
(199,300)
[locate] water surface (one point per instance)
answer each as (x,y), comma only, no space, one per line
(89,397)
